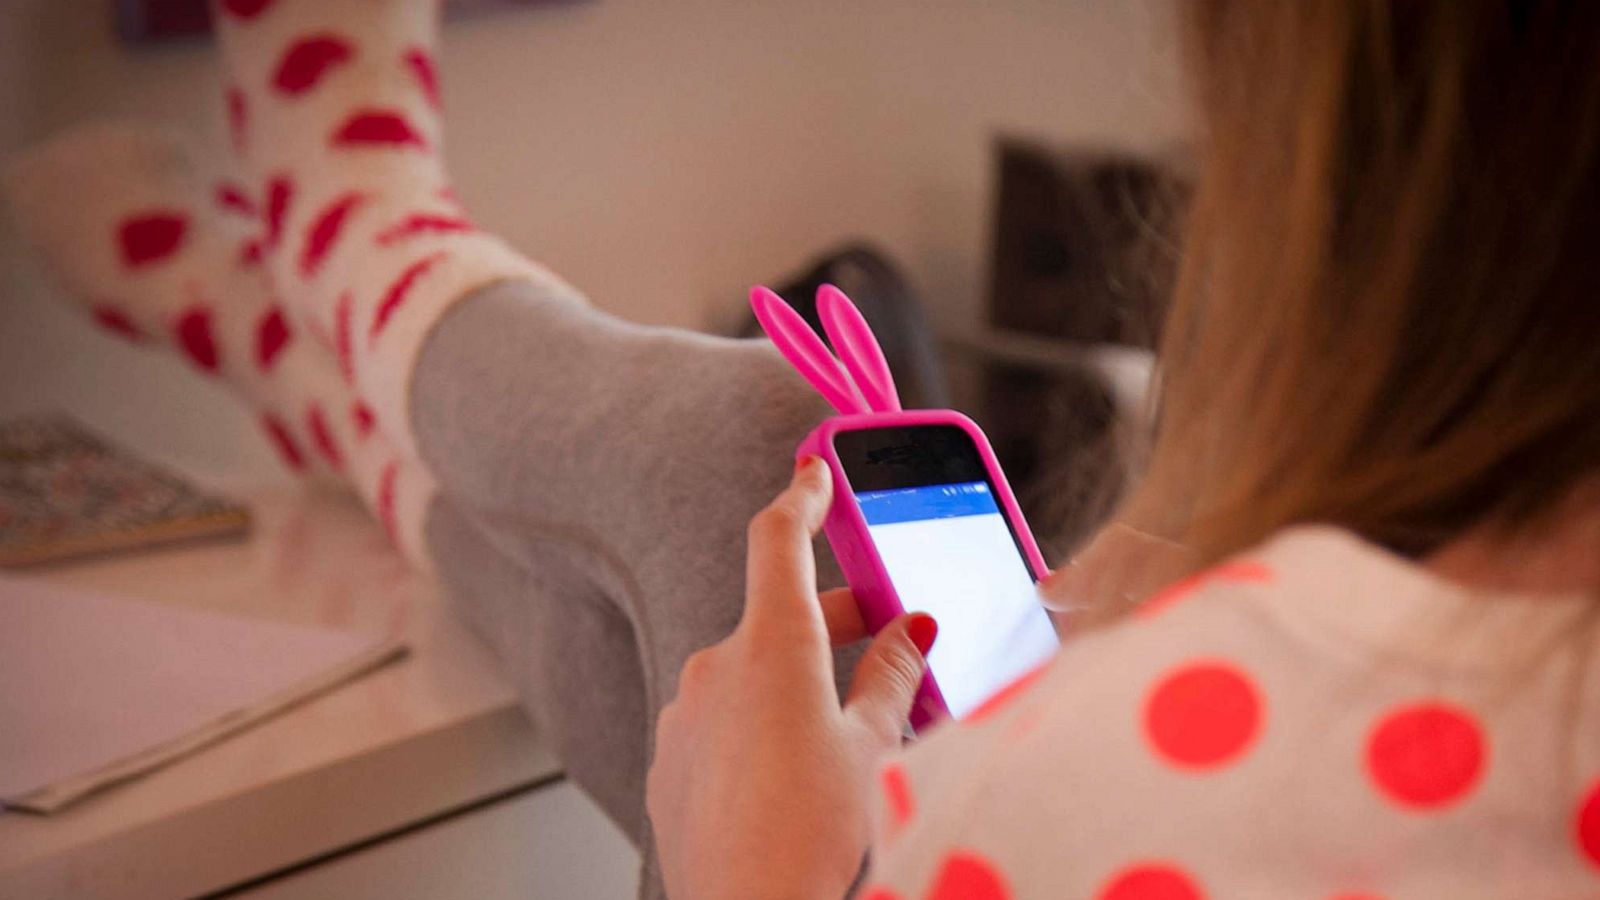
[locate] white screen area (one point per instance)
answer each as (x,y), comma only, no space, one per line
(949,553)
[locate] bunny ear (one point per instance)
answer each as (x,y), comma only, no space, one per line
(858,349)
(805,351)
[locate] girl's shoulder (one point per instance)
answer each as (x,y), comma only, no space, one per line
(1314,718)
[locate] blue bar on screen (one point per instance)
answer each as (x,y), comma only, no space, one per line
(939,501)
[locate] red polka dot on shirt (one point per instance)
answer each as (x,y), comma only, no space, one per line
(1425,756)
(1588,827)
(1151,881)
(1202,715)
(897,798)
(966,875)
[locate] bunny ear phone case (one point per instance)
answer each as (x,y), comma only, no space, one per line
(922,516)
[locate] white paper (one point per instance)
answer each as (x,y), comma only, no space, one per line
(95,689)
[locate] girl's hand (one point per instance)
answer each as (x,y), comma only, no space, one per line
(761,781)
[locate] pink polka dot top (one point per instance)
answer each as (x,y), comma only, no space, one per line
(1318,719)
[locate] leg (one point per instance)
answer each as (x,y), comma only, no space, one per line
(652,445)
(163,256)
(618,463)
(625,461)
(539,611)
(334,105)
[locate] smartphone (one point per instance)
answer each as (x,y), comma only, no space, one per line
(929,525)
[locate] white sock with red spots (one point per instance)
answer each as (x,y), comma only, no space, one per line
(333,106)
(125,222)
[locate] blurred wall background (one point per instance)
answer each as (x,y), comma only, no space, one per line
(660,155)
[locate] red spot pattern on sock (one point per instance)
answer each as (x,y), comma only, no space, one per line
(385,501)
(897,797)
(1003,697)
(365,421)
(965,875)
(344,337)
(378,128)
(420,62)
(232,198)
(1202,715)
(1239,571)
(250,253)
(280,191)
(279,434)
(397,293)
(1151,881)
(308,60)
(238,119)
(192,330)
(879,893)
(322,437)
(1587,827)
(117,322)
(272,335)
(325,231)
(1426,756)
(246,9)
(422,223)
(151,237)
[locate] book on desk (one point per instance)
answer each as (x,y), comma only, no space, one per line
(96,688)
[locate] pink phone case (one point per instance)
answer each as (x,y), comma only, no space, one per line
(862,390)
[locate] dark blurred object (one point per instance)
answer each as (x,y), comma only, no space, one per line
(140,21)
(154,20)
(890,307)
(1084,255)
(1083,244)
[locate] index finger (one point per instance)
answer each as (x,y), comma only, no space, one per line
(780,570)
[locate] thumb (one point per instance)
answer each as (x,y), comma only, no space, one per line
(889,673)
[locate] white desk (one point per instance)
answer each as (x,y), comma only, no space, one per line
(431,733)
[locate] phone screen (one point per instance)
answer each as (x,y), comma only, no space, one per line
(949,551)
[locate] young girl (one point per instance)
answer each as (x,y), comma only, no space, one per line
(1379,432)
(1386,329)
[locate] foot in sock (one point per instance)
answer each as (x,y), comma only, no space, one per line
(123,218)
(333,106)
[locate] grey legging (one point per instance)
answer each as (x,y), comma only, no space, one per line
(596,478)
